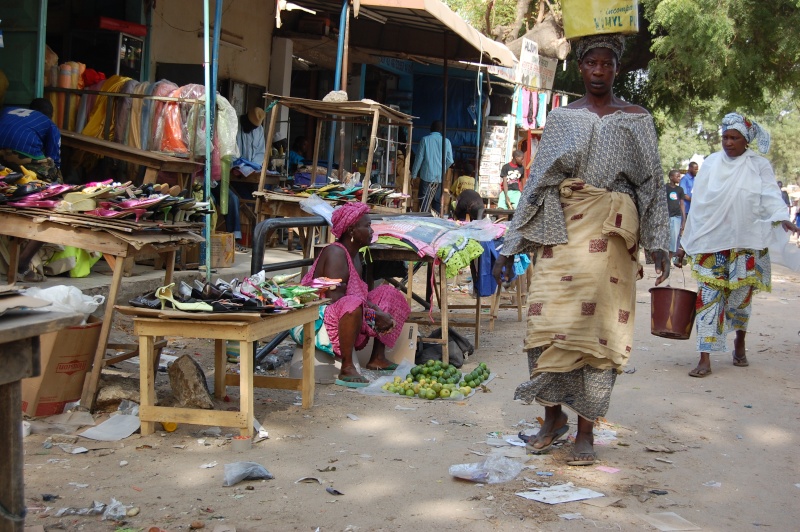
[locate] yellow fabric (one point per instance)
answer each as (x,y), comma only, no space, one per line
(97,118)
(583,295)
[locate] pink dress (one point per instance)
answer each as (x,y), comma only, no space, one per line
(385,297)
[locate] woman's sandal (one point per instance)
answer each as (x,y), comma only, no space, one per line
(165,294)
(31,276)
(741,361)
(554,437)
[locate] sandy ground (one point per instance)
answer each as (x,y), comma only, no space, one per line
(738,428)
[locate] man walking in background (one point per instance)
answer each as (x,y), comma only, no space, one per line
(428,166)
(677,212)
(687,184)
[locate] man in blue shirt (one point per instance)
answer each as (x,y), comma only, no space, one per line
(687,183)
(428,165)
(28,137)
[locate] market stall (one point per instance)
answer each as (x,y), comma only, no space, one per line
(365,112)
(116,239)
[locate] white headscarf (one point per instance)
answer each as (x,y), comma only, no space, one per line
(749,129)
(734,201)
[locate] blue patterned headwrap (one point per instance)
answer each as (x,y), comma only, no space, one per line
(749,129)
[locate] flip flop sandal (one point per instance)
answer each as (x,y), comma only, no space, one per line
(108,213)
(31,276)
(740,362)
(165,295)
(554,437)
(351,381)
(587,462)
(700,374)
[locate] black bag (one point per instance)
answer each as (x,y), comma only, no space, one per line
(460,348)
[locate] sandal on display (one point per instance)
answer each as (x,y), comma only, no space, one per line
(165,295)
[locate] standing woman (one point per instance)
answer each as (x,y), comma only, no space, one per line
(736,204)
(595,194)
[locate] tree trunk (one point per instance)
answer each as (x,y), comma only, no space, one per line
(522,13)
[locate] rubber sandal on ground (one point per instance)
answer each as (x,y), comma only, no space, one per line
(583,462)
(554,437)
(700,372)
(390,367)
(740,362)
(351,381)
(31,276)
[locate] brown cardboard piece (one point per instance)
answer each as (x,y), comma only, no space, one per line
(66,356)
(222,250)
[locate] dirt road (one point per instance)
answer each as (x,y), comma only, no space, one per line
(734,436)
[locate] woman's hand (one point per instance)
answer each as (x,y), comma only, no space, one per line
(789,227)
(383,321)
(680,254)
(661,260)
(497,272)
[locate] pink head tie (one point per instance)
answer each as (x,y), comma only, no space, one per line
(347,215)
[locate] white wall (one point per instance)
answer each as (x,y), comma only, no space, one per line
(176,26)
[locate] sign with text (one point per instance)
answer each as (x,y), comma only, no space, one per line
(535,71)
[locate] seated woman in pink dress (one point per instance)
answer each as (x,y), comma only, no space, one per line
(355,314)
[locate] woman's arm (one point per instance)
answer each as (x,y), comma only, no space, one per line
(333,264)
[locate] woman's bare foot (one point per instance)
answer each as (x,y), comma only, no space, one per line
(583,451)
(739,350)
(703,368)
(553,428)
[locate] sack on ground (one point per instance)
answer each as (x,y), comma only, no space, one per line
(460,348)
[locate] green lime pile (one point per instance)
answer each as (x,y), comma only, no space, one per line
(434,380)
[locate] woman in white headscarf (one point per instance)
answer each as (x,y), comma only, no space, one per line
(736,208)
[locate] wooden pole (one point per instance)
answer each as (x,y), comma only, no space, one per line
(273,118)
(368,171)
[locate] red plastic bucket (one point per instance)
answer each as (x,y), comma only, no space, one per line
(672,312)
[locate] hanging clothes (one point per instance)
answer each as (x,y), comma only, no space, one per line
(541,117)
(519,101)
(97,118)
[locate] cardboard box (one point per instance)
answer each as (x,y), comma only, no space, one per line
(222,250)
(404,349)
(66,356)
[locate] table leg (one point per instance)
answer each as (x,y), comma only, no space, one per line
(147,378)
(90,386)
(13,259)
(220,368)
(309,380)
(477,307)
(12,496)
(246,386)
(410,283)
(519,298)
(444,310)
(170,266)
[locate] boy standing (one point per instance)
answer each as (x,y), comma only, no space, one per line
(677,211)
(511,173)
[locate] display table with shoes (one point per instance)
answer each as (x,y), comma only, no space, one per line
(221,327)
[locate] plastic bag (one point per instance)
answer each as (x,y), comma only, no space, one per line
(481,230)
(239,471)
(115,511)
(318,206)
(493,470)
(66,299)
(227,125)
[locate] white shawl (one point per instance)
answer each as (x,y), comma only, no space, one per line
(734,202)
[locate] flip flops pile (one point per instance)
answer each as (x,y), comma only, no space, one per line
(105,199)
(253,294)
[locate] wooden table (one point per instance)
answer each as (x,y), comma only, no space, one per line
(246,329)
(117,240)
(152,161)
(441,318)
(19,359)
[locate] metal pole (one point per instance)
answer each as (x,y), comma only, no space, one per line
(342,125)
(444,183)
(207,173)
(479,134)
(337,78)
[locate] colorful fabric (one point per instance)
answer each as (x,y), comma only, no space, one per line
(585,391)
(617,152)
(613,41)
(347,215)
(30,133)
(459,255)
(582,299)
(749,129)
(727,281)
(385,297)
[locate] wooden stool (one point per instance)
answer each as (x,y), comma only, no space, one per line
(246,329)
(517,282)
